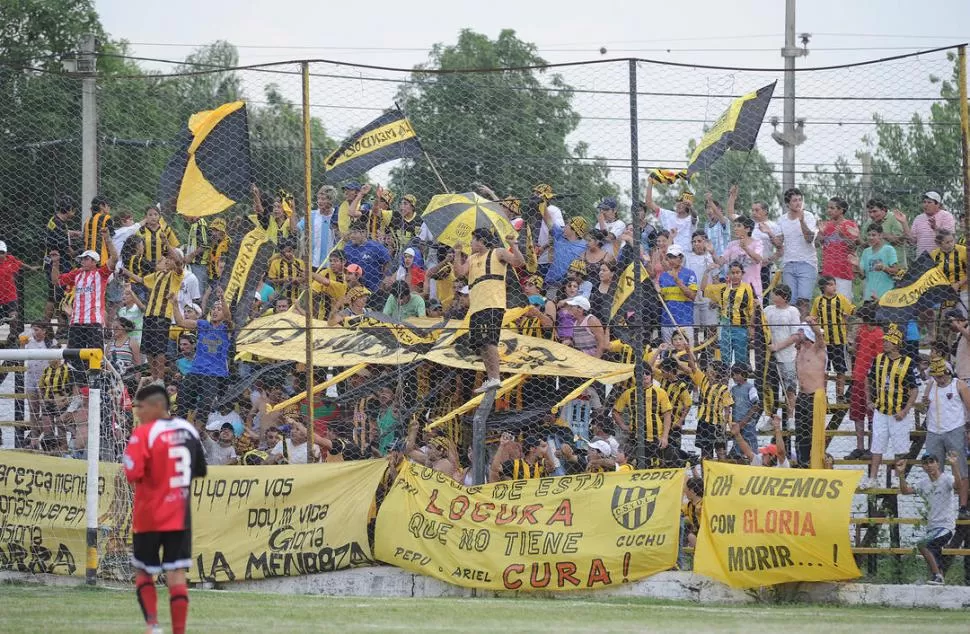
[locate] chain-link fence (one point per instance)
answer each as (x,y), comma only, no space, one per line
(573,153)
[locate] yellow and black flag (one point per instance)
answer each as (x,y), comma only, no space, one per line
(923,285)
(386,138)
(212,168)
(736,129)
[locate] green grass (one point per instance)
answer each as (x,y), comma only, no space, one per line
(25,608)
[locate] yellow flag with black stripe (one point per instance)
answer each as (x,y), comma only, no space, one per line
(736,129)
(212,168)
(386,138)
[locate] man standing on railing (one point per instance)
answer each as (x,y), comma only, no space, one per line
(937,490)
(90,283)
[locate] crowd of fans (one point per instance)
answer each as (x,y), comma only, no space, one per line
(150,292)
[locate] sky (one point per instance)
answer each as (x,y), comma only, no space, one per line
(742,33)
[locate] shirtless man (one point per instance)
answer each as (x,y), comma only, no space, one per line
(810,404)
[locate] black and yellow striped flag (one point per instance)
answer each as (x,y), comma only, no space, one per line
(388,137)
(736,129)
(212,168)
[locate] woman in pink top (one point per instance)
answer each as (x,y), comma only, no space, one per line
(922,232)
(839,237)
(746,250)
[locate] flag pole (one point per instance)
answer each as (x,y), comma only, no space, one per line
(307,184)
(434,168)
(965,139)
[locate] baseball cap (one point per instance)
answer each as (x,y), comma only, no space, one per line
(355,268)
(219,224)
(769,450)
(465,290)
(607,203)
(806,330)
(578,301)
(90,254)
(602,446)
(934,196)
(352,185)
(409,251)
(433,303)
(675,249)
(3,246)
(955,313)
(195,307)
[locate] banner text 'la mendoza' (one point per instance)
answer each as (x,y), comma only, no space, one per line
(282,521)
(592,530)
(762,525)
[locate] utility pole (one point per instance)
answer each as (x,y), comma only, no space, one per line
(87,69)
(790,137)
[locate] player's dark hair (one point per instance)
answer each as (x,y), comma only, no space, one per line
(149,391)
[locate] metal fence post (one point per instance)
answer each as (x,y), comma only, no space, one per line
(639,327)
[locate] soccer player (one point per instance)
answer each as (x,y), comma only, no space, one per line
(162,458)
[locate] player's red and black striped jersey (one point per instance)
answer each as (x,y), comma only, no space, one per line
(161,459)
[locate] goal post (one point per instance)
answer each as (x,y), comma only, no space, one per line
(93,358)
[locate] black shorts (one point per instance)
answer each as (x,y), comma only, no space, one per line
(154,335)
(86,336)
(838,358)
(710,437)
(176,547)
(484,328)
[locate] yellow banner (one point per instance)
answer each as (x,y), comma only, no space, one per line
(42,512)
(586,531)
(762,525)
(245,258)
(371,141)
(281,521)
(909,295)
(281,337)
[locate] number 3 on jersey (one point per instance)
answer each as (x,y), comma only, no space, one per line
(182,458)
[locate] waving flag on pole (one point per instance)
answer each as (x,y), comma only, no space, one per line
(388,137)
(212,168)
(921,286)
(736,129)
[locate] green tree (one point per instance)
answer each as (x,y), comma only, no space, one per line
(505,128)
(276,132)
(924,154)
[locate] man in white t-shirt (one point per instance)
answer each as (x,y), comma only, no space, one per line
(941,516)
(543,194)
(222,449)
(681,222)
(606,219)
(783,321)
(773,455)
(293,450)
(799,258)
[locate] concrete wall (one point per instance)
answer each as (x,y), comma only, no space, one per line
(385,581)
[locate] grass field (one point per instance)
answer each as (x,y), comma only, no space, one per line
(50,610)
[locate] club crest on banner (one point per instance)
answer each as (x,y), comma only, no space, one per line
(632,507)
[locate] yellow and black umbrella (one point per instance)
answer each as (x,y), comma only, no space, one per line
(451,218)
